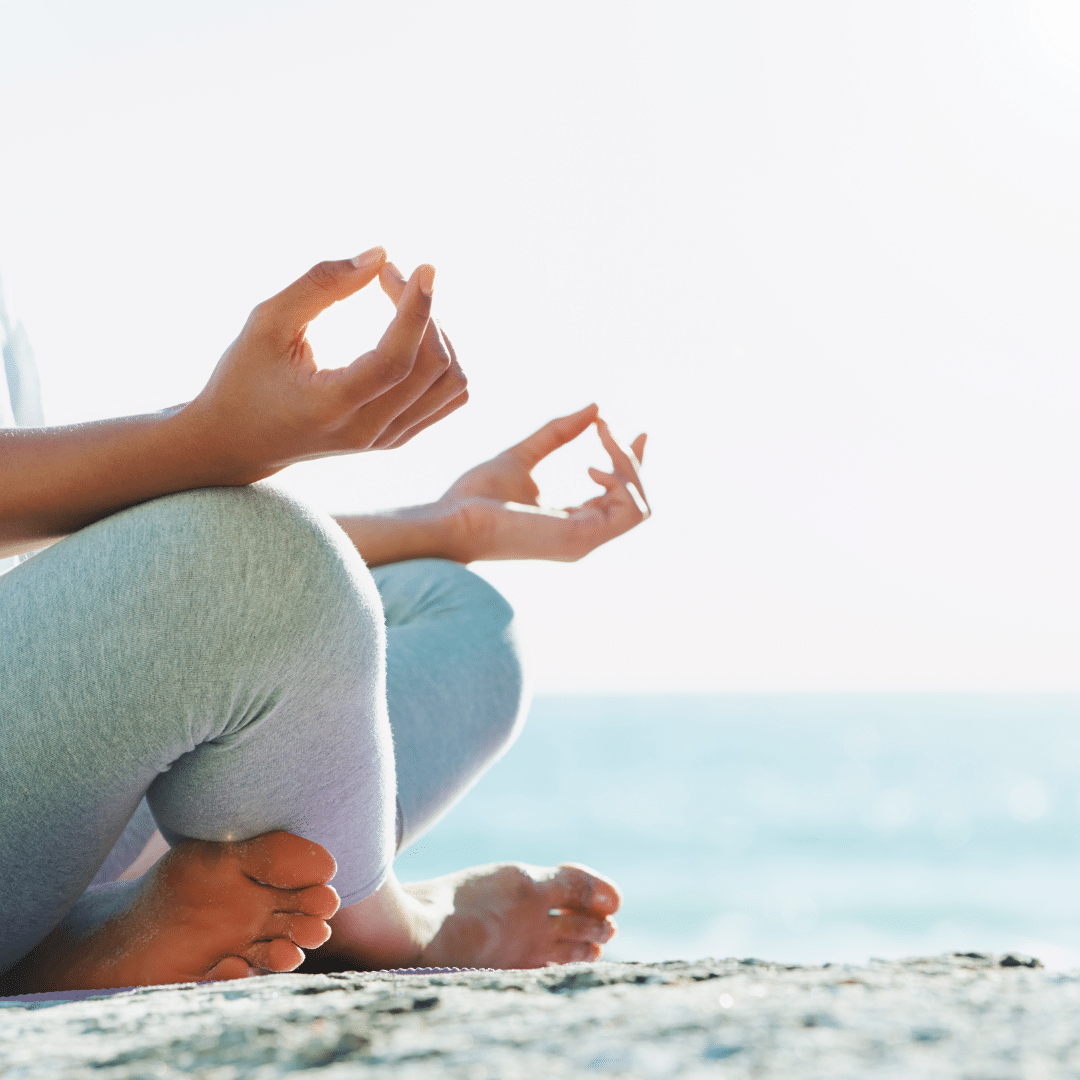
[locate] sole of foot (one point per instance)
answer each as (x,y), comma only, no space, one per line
(203,912)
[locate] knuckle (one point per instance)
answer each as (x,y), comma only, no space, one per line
(397,367)
(260,317)
(323,276)
(415,314)
(435,362)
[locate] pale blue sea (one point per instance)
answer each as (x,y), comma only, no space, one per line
(797,828)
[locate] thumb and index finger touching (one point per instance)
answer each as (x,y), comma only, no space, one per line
(289,312)
(623,484)
(333,280)
(324,284)
(626,461)
(336,279)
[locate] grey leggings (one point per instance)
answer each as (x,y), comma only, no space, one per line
(223,660)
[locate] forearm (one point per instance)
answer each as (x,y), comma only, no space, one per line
(54,481)
(413,532)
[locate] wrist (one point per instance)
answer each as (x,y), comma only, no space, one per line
(434,530)
(206,448)
(428,531)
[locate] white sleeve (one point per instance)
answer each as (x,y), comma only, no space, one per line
(7,414)
(20,389)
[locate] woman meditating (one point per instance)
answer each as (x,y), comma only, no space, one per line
(214,700)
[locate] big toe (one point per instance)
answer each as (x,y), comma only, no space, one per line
(286,861)
(578,888)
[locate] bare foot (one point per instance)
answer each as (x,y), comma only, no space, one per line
(507,915)
(204,911)
(518,916)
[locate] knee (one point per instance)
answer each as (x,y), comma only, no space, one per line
(248,561)
(426,590)
(473,599)
(218,523)
(488,621)
(491,679)
(486,647)
(456,627)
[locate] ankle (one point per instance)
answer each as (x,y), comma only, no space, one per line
(388,929)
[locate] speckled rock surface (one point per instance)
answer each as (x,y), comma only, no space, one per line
(953,1016)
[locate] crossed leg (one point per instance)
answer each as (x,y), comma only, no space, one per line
(456,701)
(221,652)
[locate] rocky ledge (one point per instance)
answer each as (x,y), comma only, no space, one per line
(973,1016)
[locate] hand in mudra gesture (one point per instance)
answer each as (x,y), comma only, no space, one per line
(268,403)
(498,503)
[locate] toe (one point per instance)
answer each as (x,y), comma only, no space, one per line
(232,967)
(322,901)
(578,888)
(276,955)
(286,861)
(304,930)
(570,952)
(569,926)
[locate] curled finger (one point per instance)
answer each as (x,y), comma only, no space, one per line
(393,359)
(626,462)
(606,480)
(401,341)
(620,494)
(447,388)
(451,406)
(623,457)
(393,284)
(392,281)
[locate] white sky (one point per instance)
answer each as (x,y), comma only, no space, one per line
(826,253)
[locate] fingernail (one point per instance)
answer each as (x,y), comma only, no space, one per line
(427,279)
(394,270)
(370,258)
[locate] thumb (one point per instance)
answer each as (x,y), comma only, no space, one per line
(324,284)
(552,435)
